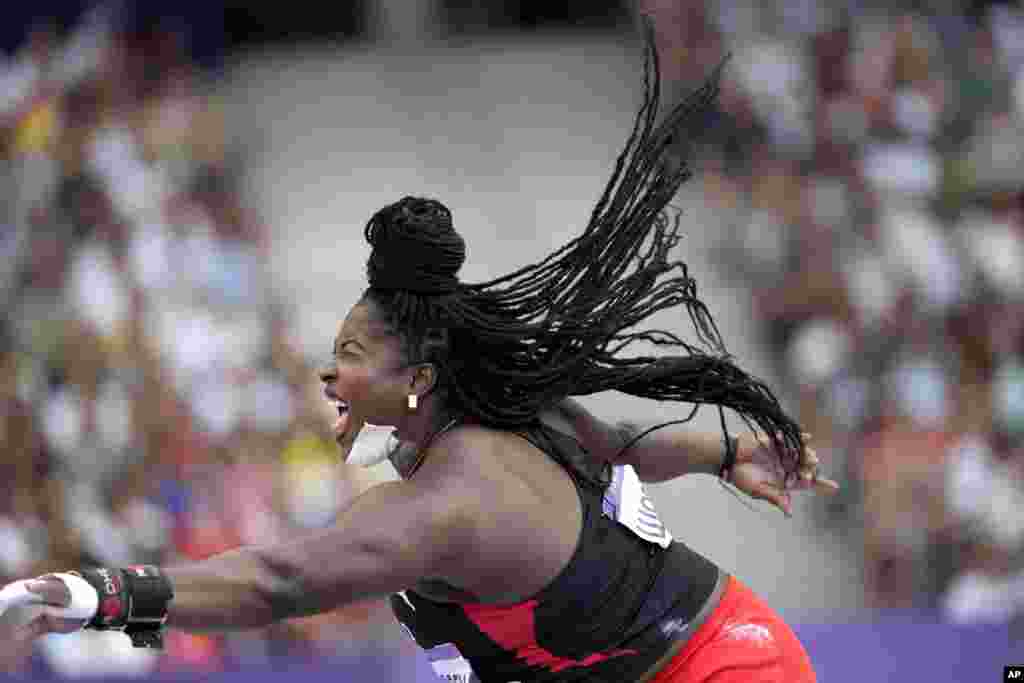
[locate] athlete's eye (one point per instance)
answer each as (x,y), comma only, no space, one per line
(344,348)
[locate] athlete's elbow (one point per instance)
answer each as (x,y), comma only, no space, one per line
(365,568)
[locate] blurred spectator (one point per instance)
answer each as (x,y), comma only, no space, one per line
(884,246)
(153,406)
(866,168)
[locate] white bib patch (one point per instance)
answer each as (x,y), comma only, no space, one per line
(449,664)
(627,502)
(445,659)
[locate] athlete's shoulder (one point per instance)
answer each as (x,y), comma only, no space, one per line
(470,436)
(458,454)
(479,452)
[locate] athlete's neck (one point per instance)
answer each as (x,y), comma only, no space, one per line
(417,433)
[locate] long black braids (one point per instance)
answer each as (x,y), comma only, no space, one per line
(510,347)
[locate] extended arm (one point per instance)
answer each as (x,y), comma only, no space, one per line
(385,541)
(391,536)
(659,456)
(676,451)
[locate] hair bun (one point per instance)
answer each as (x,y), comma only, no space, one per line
(414,248)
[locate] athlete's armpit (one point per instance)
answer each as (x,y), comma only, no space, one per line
(627,432)
(601,439)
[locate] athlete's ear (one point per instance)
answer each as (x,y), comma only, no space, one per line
(426,374)
(424,379)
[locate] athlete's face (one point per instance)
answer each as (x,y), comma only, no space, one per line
(368,376)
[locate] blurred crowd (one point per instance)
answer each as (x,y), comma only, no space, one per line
(155,408)
(868,162)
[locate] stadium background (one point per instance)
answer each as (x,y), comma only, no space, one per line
(182,199)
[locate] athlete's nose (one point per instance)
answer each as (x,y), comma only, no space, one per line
(328,373)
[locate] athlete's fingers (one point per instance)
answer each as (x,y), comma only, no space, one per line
(778,498)
(807,455)
(826,486)
(807,468)
(808,472)
(14,638)
(52,589)
(61,625)
(782,500)
(57,595)
(32,629)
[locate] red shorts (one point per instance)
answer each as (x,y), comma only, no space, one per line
(743,641)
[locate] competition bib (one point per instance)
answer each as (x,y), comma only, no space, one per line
(627,502)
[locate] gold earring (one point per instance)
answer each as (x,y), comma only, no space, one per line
(413,401)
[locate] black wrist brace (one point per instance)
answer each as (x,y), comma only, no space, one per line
(732,446)
(133,600)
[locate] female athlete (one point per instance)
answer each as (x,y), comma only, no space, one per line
(519,544)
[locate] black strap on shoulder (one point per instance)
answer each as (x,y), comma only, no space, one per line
(570,453)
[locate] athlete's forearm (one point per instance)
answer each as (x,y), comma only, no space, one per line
(229,591)
(671,452)
(256,586)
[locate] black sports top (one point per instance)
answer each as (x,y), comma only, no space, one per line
(627,595)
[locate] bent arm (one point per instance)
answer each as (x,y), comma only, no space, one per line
(659,456)
(389,538)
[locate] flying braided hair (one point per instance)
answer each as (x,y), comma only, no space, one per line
(508,348)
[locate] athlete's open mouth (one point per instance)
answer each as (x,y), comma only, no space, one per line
(341,424)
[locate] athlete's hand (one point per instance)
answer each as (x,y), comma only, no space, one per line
(29,609)
(759,474)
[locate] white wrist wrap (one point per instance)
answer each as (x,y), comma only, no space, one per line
(84,599)
(17,594)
